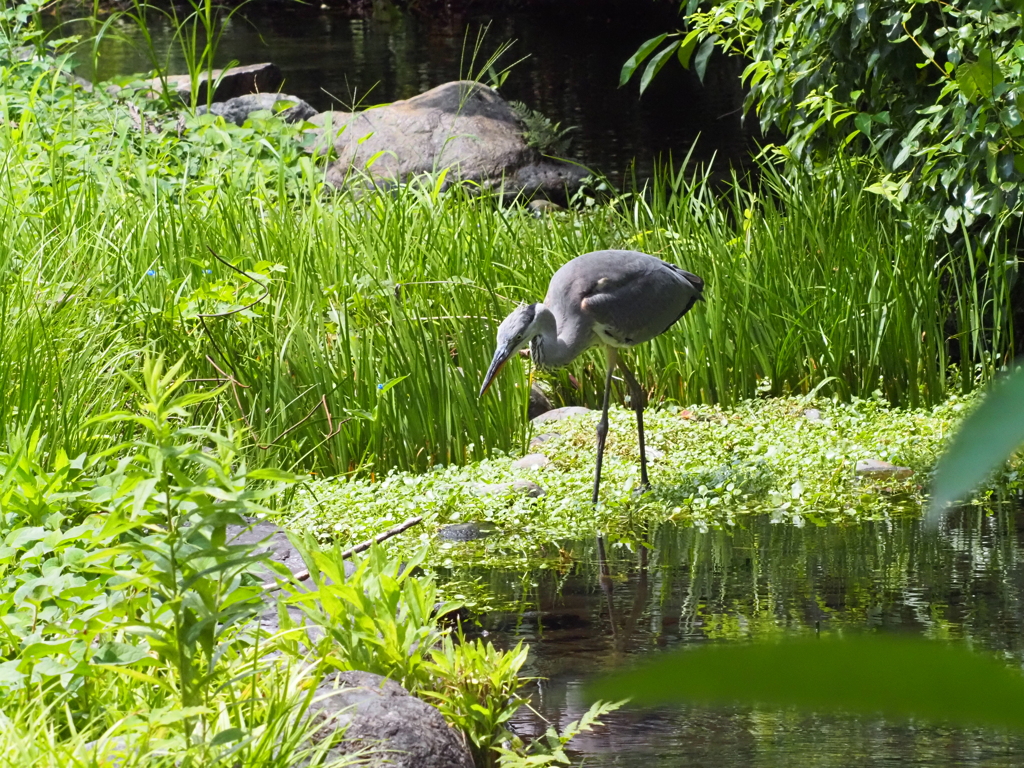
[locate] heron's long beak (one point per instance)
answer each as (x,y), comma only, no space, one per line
(501,356)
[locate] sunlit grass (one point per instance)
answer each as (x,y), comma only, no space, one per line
(354,330)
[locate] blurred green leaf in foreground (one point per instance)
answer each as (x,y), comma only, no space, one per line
(892,676)
(986,438)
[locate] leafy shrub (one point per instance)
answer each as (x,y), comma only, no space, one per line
(476,687)
(125,608)
(933,91)
(380,619)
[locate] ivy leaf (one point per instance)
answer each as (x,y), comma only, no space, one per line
(978,79)
(638,58)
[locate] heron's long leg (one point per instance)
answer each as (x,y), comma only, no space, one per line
(638,399)
(602,426)
(602,434)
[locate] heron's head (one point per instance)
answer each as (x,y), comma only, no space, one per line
(514,333)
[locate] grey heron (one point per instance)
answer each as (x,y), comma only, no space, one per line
(614,299)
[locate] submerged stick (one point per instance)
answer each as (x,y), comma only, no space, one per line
(360,547)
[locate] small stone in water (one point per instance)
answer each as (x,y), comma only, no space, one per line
(543,438)
(463,532)
(560,413)
(527,487)
(881,470)
(531,461)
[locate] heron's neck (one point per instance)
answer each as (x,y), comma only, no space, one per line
(554,347)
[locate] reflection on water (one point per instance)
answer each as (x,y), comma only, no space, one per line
(963,581)
(575,52)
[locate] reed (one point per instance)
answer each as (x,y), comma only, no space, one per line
(367,350)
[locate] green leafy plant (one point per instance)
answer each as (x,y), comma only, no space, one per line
(476,687)
(932,91)
(550,749)
(378,619)
(985,440)
(195,588)
(540,133)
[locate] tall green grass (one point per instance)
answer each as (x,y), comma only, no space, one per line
(380,310)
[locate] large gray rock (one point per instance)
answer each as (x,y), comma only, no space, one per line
(397,729)
(238,109)
(230,83)
(463,126)
(273,541)
(275,544)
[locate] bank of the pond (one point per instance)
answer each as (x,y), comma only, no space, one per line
(792,458)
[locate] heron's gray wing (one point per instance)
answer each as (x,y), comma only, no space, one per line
(632,297)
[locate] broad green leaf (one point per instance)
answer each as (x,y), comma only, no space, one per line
(985,439)
(119,653)
(656,64)
(27,535)
(228,736)
(863,123)
(978,79)
(892,676)
(700,61)
(686,48)
(638,58)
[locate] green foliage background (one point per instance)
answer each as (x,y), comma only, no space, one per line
(932,91)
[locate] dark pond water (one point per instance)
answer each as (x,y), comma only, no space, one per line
(963,581)
(574,52)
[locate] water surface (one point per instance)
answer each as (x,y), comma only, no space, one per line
(965,581)
(574,52)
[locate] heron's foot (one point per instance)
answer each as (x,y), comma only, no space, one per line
(641,490)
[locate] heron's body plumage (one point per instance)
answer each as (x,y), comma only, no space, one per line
(616,298)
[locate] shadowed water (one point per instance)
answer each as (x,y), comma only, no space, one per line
(574,54)
(964,581)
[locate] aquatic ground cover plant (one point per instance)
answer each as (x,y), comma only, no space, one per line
(710,467)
